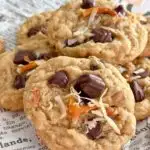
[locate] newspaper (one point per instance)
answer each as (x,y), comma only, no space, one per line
(16,132)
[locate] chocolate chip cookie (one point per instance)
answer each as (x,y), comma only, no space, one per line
(15,69)
(1,45)
(79,103)
(138,76)
(97,28)
(146,22)
(33,33)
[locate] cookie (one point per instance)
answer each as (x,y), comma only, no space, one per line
(1,46)
(146,52)
(15,69)
(138,75)
(79,103)
(97,28)
(33,33)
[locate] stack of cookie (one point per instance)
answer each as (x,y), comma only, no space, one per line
(81,74)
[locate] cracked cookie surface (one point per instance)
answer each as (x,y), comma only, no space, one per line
(100,29)
(78,103)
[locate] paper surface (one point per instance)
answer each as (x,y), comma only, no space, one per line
(16,132)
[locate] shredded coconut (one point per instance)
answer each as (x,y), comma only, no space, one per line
(80,31)
(101,105)
(140,70)
(109,120)
(30,72)
(60,102)
(40,62)
(92,17)
(92,124)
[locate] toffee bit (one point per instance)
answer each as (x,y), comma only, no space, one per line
(28,67)
(35,97)
(75,110)
(100,10)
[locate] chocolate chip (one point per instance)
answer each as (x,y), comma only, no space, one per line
(95,132)
(137,91)
(102,35)
(142,73)
(20,81)
(87,4)
(90,85)
(60,78)
(45,56)
(20,57)
(120,10)
(34,30)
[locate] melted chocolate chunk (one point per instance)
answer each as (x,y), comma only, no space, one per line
(20,81)
(20,57)
(120,10)
(45,56)
(87,4)
(137,91)
(34,30)
(95,132)
(102,35)
(90,86)
(60,78)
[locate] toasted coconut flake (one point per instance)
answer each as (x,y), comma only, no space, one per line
(76,110)
(71,41)
(97,112)
(92,124)
(62,106)
(135,78)
(40,62)
(92,17)
(122,69)
(140,70)
(80,31)
(109,120)
(30,72)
